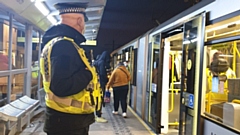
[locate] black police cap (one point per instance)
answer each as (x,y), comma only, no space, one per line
(72,7)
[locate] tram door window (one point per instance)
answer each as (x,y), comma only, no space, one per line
(152,81)
(127,60)
(114,60)
(190,75)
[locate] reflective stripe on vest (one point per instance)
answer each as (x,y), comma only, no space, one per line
(80,103)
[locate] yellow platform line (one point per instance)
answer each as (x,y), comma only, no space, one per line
(142,122)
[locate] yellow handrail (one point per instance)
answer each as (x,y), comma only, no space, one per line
(234,56)
(172,85)
(236,101)
(235,43)
(173,124)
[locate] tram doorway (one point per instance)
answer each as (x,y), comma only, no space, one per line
(172,80)
(182,49)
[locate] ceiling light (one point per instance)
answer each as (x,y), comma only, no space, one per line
(90,9)
(94,18)
(55,12)
(89,34)
(91,24)
(94,31)
(224,55)
(42,8)
(88,30)
(52,19)
(190,41)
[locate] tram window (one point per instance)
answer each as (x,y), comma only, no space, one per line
(223,81)
(133,64)
(223,72)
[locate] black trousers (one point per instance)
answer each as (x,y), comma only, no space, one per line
(120,95)
(99,112)
(81,131)
(59,123)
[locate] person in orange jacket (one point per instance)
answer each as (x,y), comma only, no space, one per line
(119,80)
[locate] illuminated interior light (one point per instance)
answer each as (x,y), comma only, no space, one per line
(91,24)
(190,41)
(52,19)
(223,26)
(90,9)
(224,55)
(42,8)
(94,18)
(56,12)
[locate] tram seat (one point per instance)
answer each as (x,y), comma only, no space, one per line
(15,115)
(217,109)
(231,115)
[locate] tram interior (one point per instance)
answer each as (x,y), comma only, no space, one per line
(175,58)
(222,100)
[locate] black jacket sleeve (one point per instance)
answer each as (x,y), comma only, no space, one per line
(68,72)
(102,74)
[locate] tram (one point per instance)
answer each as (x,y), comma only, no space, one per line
(186,71)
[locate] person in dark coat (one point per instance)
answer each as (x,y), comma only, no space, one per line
(69,75)
(95,62)
(102,64)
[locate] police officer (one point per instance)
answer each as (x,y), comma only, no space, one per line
(66,74)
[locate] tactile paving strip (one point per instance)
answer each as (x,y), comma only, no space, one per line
(118,122)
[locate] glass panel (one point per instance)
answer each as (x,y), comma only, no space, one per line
(3,87)
(119,58)
(4,38)
(18,45)
(152,80)
(35,65)
(114,61)
(222,63)
(140,78)
(223,29)
(18,85)
(223,82)
(133,64)
(191,55)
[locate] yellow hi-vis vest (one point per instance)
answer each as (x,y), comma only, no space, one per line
(81,103)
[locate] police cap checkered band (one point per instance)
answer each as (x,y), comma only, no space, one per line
(72,7)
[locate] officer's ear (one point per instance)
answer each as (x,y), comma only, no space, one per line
(81,23)
(81,19)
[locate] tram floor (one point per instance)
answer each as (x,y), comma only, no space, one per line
(116,125)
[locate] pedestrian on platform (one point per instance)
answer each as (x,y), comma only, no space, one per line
(119,80)
(102,64)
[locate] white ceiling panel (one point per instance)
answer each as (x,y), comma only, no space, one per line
(28,10)
(94,12)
